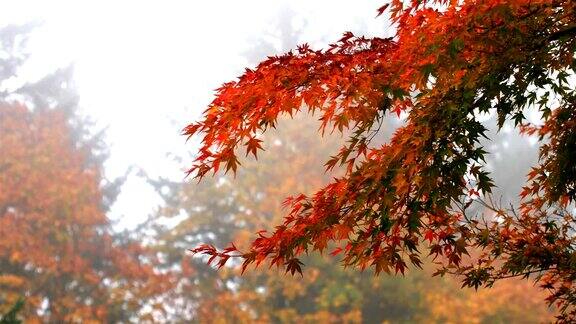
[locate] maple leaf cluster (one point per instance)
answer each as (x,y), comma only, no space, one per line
(448,62)
(231,207)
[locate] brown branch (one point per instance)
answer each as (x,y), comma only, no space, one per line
(523,274)
(570,31)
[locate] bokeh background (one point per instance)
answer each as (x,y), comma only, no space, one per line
(96,214)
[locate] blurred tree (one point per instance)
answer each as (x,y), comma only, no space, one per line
(56,246)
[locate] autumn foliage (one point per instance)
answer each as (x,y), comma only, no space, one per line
(56,247)
(229,208)
(426,191)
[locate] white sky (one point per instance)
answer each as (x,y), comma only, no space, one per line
(147,68)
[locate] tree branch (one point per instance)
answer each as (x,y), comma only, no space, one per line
(570,31)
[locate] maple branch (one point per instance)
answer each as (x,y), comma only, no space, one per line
(523,274)
(570,31)
(377,130)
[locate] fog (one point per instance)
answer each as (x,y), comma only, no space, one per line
(146,69)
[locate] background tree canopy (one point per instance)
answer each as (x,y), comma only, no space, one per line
(57,249)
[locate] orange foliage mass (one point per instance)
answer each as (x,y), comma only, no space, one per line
(55,249)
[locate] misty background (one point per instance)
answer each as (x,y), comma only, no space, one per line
(145,69)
